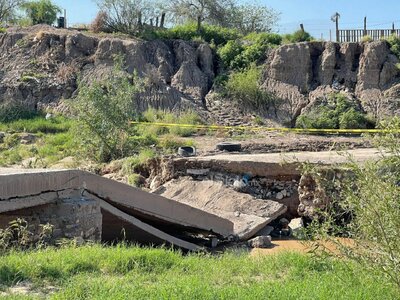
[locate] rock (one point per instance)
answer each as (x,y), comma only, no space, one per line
(297,226)
(27,138)
(2,136)
(191,81)
(265,231)
(263,241)
(239,185)
(279,196)
(179,72)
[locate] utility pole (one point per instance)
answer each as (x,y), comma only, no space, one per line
(365,26)
(65,18)
(335,18)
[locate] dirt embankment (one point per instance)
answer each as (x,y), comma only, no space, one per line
(41,65)
(302,75)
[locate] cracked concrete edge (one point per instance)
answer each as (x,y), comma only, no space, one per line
(27,202)
(148,228)
(24,184)
(29,183)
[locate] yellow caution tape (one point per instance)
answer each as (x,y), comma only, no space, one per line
(262,128)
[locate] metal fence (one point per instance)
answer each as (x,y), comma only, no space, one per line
(356,35)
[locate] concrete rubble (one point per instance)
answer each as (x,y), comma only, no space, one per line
(247,213)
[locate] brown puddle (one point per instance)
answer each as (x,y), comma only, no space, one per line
(296,246)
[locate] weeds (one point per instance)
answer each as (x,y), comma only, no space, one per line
(17,236)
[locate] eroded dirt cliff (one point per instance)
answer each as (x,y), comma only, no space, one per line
(301,75)
(42,65)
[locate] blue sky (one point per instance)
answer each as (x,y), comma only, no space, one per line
(314,14)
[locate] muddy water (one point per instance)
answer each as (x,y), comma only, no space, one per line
(297,246)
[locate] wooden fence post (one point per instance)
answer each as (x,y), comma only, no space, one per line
(365,26)
(162,20)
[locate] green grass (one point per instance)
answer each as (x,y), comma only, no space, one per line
(48,149)
(123,272)
(38,124)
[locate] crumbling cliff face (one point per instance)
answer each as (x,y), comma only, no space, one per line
(42,65)
(302,74)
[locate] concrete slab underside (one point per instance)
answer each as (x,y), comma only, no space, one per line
(247,213)
(136,229)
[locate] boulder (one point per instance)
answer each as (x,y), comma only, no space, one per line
(27,138)
(297,226)
(263,241)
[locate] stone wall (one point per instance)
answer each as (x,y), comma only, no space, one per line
(73,217)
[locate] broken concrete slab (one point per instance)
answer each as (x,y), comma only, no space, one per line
(155,205)
(21,203)
(22,189)
(272,164)
(154,233)
(247,213)
(22,183)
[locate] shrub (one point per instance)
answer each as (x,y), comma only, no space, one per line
(103,111)
(170,143)
(17,236)
(3,30)
(394,42)
(131,163)
(371,197)
(229,52)
(244,88)
(337,112)
(209,33)
(264,38)
(99,23)
(159,116)
(298,36)
(366,39)
(238,54)
(11,111)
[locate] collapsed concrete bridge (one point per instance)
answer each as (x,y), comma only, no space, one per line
(80,204)
(189,212)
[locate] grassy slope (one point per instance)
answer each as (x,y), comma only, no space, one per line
(122,272)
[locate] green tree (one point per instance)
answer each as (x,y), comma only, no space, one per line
(41,11)
(253,17)
(8,9)
(103,110)
(211,11)
(369,195)
(127,16)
